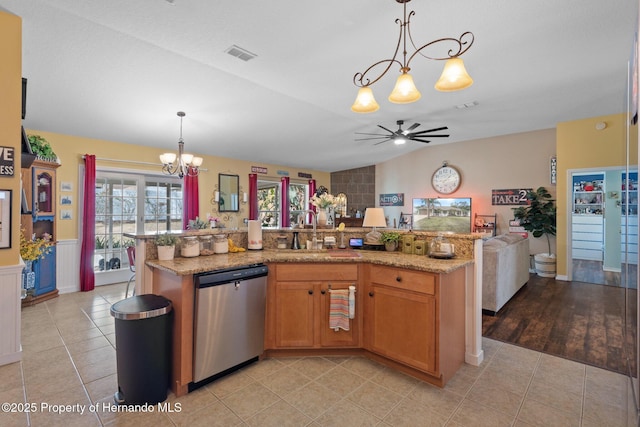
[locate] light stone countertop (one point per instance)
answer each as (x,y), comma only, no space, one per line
(200,264)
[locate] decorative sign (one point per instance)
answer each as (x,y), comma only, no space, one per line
(304,175)
(516,228)
(391,199)
(514,196)
(283,173)
(7,163)
(553,170)
(258,169)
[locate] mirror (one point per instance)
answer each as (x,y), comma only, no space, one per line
(228,193)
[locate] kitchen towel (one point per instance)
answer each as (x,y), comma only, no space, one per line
(254,234)
(339,309)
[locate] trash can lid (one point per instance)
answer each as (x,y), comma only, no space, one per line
(141,307)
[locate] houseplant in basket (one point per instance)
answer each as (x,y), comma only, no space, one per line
(166,245)
(390,240)
(539,218)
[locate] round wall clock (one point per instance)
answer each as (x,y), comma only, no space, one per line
(446,179)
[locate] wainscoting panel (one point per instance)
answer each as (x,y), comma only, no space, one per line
(68,266)
(10,287)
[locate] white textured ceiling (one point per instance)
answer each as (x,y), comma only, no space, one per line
(120,70)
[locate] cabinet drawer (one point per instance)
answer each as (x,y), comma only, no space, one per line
(316,271)
(417,281)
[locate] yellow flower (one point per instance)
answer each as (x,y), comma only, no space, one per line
(34,249)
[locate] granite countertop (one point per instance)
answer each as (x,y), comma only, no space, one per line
(200,264)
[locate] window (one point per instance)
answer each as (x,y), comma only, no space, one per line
(269,202)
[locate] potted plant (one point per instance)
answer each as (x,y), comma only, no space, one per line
(539,218)
(41,148)
(390,240)
(166,245)
(197,224)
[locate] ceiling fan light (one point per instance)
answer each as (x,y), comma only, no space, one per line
(365,102)
(405,90)
(454,76)
(399,140)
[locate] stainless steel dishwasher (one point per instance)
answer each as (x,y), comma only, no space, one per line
(229,321)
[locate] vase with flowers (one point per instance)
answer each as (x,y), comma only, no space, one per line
(324,203)
(32,250)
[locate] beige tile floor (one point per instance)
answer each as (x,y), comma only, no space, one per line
(69,359)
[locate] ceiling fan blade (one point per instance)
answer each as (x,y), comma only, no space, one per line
(413,126)
(378,143)
(375,134)
(432,130)
(421,140)
(413,135)
(369,139)
(390,131)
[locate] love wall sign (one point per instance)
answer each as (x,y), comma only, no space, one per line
(7,162)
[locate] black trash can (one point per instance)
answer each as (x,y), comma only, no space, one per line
(143,348)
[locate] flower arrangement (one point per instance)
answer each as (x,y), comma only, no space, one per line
(197,224)
(166,239)
(34,249)
(324,200)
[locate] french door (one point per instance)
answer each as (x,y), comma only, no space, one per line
(130,204)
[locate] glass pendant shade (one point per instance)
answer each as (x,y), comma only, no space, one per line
(454,76)
(405,90)
(196,162)
(167,158)
(187,158)
(365,102)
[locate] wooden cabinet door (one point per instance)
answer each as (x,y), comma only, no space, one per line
(328,336)
(294,314)
(401,325)
(45,269)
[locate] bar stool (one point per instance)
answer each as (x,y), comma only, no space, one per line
(131,253)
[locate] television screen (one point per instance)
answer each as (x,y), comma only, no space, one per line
(439,214)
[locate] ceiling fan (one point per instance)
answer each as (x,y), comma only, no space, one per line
(401,136)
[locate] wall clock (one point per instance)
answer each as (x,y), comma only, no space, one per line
(446,179)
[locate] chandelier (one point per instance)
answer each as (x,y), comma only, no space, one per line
(454,75)
(181,164)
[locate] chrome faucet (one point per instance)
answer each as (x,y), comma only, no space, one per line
(314,222)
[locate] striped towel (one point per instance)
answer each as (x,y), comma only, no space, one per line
(339,309)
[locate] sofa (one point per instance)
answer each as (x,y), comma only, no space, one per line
(505,269)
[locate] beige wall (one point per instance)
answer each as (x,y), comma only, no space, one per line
(70,150)
(10,119)
(510,161)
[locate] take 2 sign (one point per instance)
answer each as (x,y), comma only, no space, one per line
(7,161)
(514,196)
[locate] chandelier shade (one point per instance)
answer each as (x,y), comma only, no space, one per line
(365,102)
(180,164)
(454,76)
(405,90)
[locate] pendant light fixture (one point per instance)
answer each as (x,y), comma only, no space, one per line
(182,164)
(454,75)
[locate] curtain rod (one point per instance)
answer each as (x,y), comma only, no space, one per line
(135,162)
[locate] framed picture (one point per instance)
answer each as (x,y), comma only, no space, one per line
(5,219)
(66,186)
(66,214)
(66,200)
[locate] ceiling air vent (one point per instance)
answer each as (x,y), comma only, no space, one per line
(240,53)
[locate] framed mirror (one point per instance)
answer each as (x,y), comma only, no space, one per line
(229,193)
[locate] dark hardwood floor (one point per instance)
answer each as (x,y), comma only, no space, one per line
(592,272)
(574,320)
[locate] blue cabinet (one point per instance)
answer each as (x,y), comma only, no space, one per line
(45,270)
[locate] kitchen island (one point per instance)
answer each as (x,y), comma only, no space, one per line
(414,313)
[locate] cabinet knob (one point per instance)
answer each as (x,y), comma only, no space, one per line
(323,292)
(371,293)
(398,279)
(310,292)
